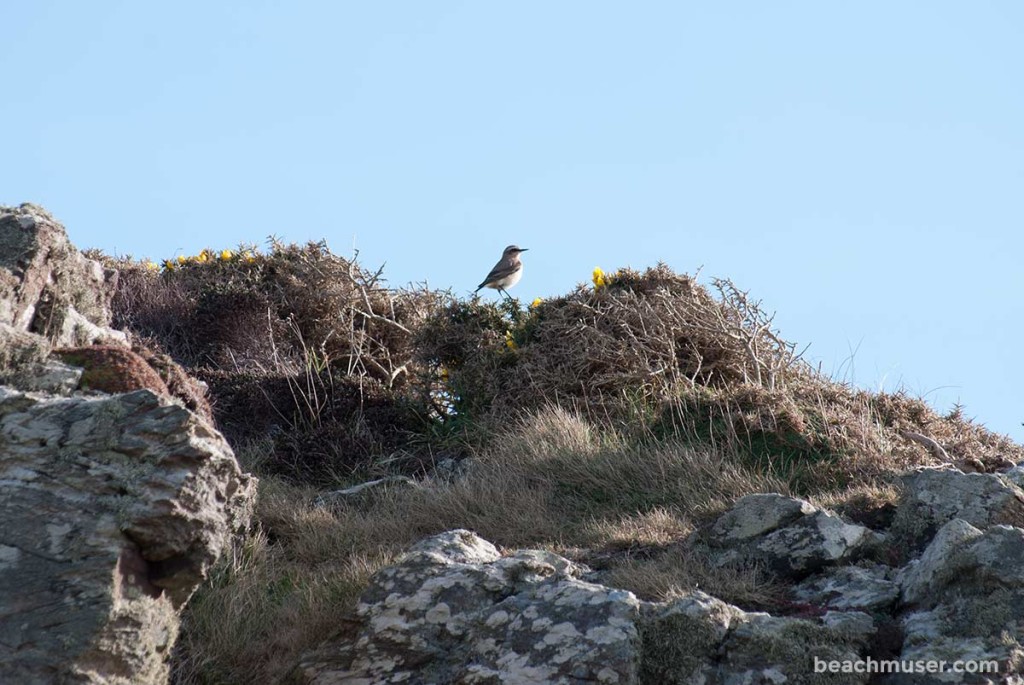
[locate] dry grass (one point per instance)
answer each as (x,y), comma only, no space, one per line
(605,425)
(552,480)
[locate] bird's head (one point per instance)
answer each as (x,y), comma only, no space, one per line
(514,250)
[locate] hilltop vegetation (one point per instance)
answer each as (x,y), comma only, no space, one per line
(605,424)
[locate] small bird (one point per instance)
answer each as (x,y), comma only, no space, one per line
(506,273)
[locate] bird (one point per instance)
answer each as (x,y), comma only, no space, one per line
(506,273)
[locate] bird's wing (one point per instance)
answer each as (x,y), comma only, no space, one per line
(500,270)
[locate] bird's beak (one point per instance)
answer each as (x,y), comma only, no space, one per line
(523,249)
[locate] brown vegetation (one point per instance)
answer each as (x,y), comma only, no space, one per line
(606,425)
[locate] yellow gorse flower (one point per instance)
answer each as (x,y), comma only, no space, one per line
(226,255)
(510,342)
(203,257)
(599,279)
(250,257)
(536,303)
(151,265)
(182,259)
(169,264)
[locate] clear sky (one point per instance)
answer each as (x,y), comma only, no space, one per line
(858,166)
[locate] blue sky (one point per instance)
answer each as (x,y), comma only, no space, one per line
(858,166)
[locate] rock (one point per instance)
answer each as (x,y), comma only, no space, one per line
(1015,475)
(52,377)
(966,594)
(114,508)
(770,649)
(451,469)
(934,496)
(701,639)
(453,610)
(757,515)
(864,588)
(790,537)
(922,576)
(361,491)
(48,287)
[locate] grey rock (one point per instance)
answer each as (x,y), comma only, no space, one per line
(51,377)
(867,588)
(757,515)
(363,490)
(925,575)
(770,649)
(454,611)
(47,286)
(1015,475)
(114,508)
(789,536)
(934,496)
(966,596)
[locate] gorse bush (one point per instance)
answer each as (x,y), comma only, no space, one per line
(351,376)
(606,425)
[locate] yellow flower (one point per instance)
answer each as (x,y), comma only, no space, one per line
(599,279)
(536,303)
(444,373)
(203,257)
(510,342)
(169,264)
(250,257)
(226,255)
(151,265)
(182,259)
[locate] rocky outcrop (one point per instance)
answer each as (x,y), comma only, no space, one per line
(114,508)
(934,496)
(787,535)
(867,587)
(115,499)
(48,287)
(453,610)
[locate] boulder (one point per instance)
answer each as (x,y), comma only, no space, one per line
(453,610)
(965,596)
(847,588)
(115,501)
(788,536)
(47,286)
(933,496)
(114,509)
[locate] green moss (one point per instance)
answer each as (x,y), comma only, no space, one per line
(674,648)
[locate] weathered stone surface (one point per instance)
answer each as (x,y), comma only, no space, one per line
(362,491)
(454,611)
(866,588)
(966,597)
(113,509)
(789,536)
(935,496)
(47,286)
(700,639)
(770,649)
(757,515)
(926,575)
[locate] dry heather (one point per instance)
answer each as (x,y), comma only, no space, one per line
(605,425)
